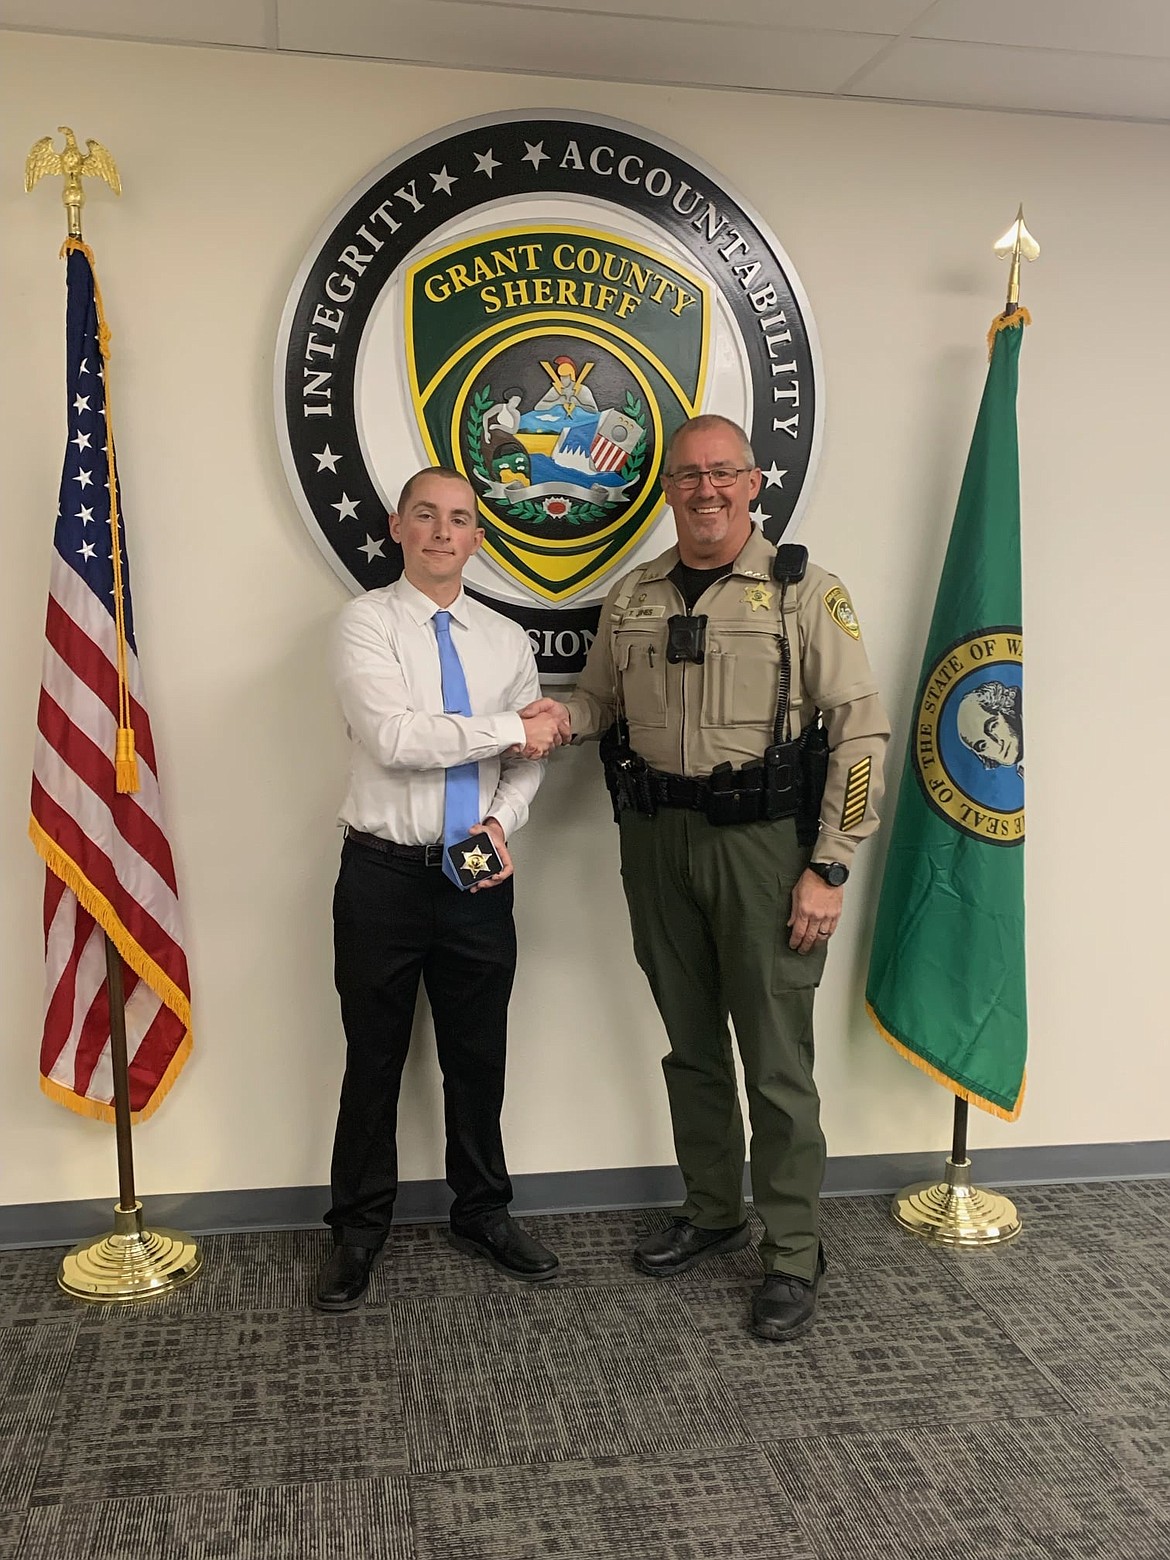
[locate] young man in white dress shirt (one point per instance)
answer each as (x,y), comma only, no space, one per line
(396,913)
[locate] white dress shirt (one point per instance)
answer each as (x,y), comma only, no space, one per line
(386,667)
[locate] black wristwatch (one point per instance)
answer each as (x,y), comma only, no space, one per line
(833,872)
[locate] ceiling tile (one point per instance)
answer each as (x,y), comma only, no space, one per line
(982,75)
(867,16)
(576,43)
(1063,56)
(1119,27)
(209,21)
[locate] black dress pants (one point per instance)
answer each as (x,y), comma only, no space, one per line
(394,920)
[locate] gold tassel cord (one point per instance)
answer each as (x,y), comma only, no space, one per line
(125,758)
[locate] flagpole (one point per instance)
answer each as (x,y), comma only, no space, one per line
(130,1262)
(952,1211)
(120,1066)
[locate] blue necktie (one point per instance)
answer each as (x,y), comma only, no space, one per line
(461,799)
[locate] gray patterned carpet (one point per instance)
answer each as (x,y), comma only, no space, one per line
(1011,1404)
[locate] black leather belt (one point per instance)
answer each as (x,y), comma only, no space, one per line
(424,855)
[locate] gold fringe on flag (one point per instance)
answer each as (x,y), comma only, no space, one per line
(1011,320)
(97,1110)
(947,1082)
(103,912)
(136,957)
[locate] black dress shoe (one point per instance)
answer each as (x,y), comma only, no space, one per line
(675,1249)
(500,1239)
(342,1281)
(784,1307)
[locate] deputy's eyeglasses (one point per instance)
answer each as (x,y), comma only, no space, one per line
(721,477)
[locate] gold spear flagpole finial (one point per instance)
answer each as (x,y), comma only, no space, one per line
(1015,242)
(74,165)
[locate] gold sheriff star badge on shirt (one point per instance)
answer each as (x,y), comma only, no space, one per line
(757,596)
(475,862)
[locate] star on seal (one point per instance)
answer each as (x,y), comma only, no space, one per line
(475,862)
(757,596)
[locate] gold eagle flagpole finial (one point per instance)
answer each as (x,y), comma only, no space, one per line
(1016,242)
(74,165)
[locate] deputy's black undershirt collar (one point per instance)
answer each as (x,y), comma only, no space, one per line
(692,583)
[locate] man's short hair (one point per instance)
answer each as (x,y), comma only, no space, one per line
(707,423)
(429,471)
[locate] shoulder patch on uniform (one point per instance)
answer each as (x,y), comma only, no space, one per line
(856,794)
(840,609)
(644,612)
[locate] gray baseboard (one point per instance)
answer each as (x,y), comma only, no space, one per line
(573,1191)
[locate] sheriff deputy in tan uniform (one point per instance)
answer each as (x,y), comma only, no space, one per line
(734,896)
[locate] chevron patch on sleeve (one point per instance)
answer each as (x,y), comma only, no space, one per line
(856,794)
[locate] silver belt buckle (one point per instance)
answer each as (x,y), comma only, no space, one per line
(433,856)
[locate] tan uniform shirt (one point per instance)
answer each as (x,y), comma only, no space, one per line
(685,718)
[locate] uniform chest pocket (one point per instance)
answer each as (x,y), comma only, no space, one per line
(741,677)
(640,658)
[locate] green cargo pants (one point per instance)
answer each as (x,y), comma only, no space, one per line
(708,910)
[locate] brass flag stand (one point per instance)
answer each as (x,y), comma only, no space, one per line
(952,1212)
(131,1262)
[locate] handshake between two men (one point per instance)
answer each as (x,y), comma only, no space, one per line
(546,726)
(707,901)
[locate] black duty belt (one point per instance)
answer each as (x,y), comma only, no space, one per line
(424,855)
(787,781)
(687,791)
(749,795)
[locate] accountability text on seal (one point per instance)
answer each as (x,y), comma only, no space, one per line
(538,302)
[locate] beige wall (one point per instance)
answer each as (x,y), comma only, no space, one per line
(230,162)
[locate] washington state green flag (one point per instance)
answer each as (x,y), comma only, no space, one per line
(946,975)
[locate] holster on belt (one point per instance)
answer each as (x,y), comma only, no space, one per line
(627,774)
(814,770)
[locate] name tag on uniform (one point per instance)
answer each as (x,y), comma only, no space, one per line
(643,612)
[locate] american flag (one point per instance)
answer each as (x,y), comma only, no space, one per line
(108,863)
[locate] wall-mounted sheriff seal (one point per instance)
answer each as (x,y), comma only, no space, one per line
(539,301)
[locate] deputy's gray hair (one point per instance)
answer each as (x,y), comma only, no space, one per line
(708,422)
